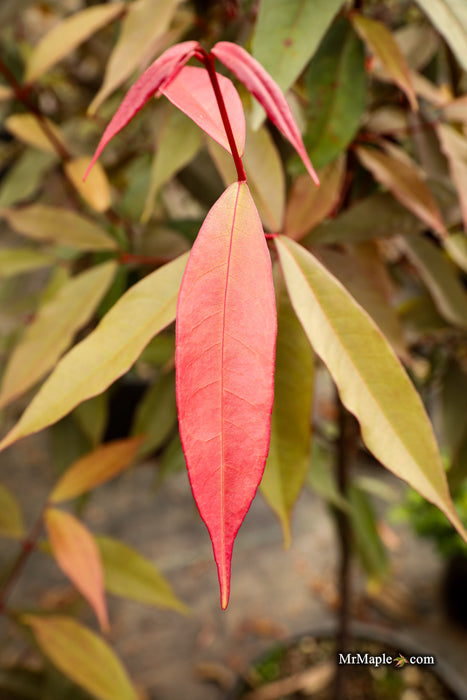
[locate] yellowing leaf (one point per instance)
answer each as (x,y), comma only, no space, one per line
(130,575)
(108,352)
(289,451)
(11,521)
(96,190)
(52,330)
(405,183)
(15,261)
(67,35)
(96,468)
(27,128)
(383,45)
(144,23)
(454,147)
(456,246)
(62,226)
(82,656)
(450,19)
(308,205)
(77,555)
(371,382)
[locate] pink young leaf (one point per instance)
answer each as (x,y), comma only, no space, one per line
(191,91)
(267,92)
(226,330)
(159,73)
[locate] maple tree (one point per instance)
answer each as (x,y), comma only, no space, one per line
(222,294)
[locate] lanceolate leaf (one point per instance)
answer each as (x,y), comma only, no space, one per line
(15,261)
(52,331)
(76,553)
(226,328)
(164,67)
(371,382)
(267,92)
(450,19)
(107,353)
(82,656)
(11,521)
(289,452)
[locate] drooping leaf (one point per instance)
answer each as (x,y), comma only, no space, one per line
(336,84)
(450,19)
(267,92)
(94,469)
(15,261)
(67,35)
(106,353)
(191,91)
(164,67)
(178,142)
(156,415)
(287,34)
(62,226)
(288,459)
(52,330)
(368,543)
(454,147)
(91,416)
(441,278)
(82,656)
(307,205)
(130,575)
(372,384)
(77,555)
(96,190)
(25,177)
(27,128)
(383,45)
(11,520)
(144,23)
(403,180)
(226,328)
(456,246)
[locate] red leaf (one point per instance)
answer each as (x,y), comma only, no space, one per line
(191,91)
(267,92)
(226,330)
(159,73)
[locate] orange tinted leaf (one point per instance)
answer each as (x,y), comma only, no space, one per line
(96,190)
(77,555)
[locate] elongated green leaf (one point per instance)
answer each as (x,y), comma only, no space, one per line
(108,352)
(15,261)
(289,449)
(450,19)
(336,86)
(156,416)
(76,553)
(67,35)
(11,521)
(25,177)
(454,147)
(371,382)
(441,278)
(27,128)
(52,330)
(287,34)
(91,416)
(82,656)
(95,468)
(62,226)
(130,575)
(368,544)
(96,190)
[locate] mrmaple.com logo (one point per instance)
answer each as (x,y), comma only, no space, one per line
(367,659)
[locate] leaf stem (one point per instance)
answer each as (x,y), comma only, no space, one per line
(208,61)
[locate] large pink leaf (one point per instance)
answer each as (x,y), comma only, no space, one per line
(162,70)
(267,92)
(192,92)
(226,330)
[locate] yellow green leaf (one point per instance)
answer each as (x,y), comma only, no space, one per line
(289,452)
(67,35)
(308,205)
(454,147)
(25,176)
(144,23)
(15,261)
(130,575)
(82,656)
(456,246)
(156,415)
(76,553)
(95,468)
(53,328)
(383,45)
(11,521)
(27,128)
(106,353)
(96,190)
(405,183)
(371,381)
(61,226)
